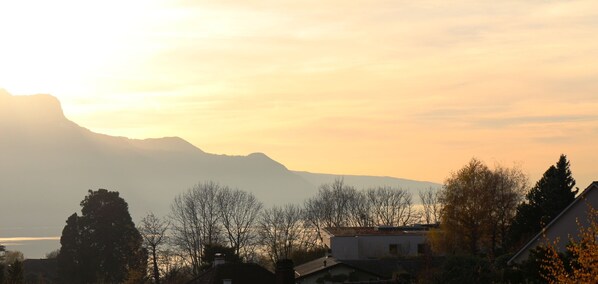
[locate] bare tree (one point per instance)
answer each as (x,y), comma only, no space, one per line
(431,205)
(280,230)
(195,221)
(239,211)
(206,195)
(335,205)
(186,230)
(153,230)
(391,206)
(360,210)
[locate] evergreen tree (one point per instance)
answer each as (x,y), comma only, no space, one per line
(2,250)
(551,194)
(70,261)
(102,245)
(15,273)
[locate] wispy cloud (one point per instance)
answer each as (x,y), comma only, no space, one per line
(402,81)
(17,240)
(535,120)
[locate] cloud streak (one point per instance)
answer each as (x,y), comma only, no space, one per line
(419,86)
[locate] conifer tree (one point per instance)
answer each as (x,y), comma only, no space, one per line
(2,250)
(102,245)
(551,194)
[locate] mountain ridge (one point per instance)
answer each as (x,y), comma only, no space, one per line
(47,164)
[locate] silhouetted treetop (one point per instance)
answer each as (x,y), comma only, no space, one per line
(102,245)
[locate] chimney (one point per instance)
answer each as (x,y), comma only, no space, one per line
(285,273)
(218,259)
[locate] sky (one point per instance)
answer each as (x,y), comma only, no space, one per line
(410,89)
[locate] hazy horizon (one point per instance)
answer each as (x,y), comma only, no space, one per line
(48,163)
(405,89)
(410,89)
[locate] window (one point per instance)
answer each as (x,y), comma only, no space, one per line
(393,249)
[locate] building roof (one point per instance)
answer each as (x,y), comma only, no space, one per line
(528,245)
(239,273)
(382,268)
(315,266)
(375,231)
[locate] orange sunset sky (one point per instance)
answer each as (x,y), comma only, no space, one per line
(409,89)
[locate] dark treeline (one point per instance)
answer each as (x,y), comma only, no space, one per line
(484,215)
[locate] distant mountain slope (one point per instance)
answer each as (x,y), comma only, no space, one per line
(364,182)
(47,164)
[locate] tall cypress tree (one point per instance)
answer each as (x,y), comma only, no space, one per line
(102,245)
(2,250)
(551,194)
(70,260)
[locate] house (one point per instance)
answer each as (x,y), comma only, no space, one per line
(564,225)
(358,254)
(352,243)
(333,270)
(330,269)
(235,273)
(245,273)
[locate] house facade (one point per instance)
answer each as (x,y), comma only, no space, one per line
(330,270)
(364,254)
(564,225)
(360,243)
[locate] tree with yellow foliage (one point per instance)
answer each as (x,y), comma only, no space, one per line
(583,267)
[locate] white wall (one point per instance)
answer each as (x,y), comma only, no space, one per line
(566,226)
(369,247)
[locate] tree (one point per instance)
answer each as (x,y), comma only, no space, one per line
(280,231)
(53,254)
(336,205)
(431,205)
(102,245)
(239,211)
(391,206)
(583,252)
(71,262)
(15,274)
(153,231)
(551,194)
(2,251)
(465,269)
(12,256)
(508,187)
(477,203)
(195,222)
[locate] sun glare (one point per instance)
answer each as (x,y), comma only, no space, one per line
(63,46)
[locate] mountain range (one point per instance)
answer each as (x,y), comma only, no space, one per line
(47,164)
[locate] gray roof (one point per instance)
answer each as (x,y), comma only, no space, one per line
(240,273)
(382,268)
(593,185)
(315,266)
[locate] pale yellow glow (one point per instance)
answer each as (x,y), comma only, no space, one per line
(401,88)
(66,47)
(28,239)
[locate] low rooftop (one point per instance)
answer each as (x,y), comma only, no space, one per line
(383,268)
(239,273)
(377,231)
